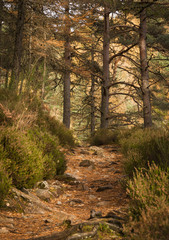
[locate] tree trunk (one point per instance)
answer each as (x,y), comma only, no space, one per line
(18,45)
(106,79)
(144,70)
(1,19)
(44,70)
(92,90)
(67,60)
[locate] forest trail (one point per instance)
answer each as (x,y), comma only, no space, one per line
(96,174)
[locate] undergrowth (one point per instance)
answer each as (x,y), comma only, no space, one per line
(147,166)
(143,147)
(103,137)
(149,206)
(30,142)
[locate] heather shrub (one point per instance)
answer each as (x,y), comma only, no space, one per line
(55,163)
(104,136)
(5,184)
(50,124)
(27,162)
(5,181)
(149,206)
(27,111)
(143,147)
(148,188)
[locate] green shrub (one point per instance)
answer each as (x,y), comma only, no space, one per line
(56,128)
(148,188)
(143,147)
(104,136)
(5,185)
(55,163)
(27,162)
(28,111)
(149,206)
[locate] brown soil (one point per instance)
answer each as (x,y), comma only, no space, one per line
(107,172)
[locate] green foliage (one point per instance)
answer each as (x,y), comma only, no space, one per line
(28,111)
(29,141)
(56,128)
(148,188)
(149,208)
(104,136)
(104,228)
(27,162)
(30,156)
(142,147)
(55,163)
(5,185)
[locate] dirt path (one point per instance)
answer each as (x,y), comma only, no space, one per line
(97,186)
(107,172)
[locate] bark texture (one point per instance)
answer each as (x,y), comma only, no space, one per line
(106,78)
(18,49)
(92,90)
(144,70)
(67,60)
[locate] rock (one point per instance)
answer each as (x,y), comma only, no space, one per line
(97,151)
(57,183)
(59,203)
(86,163)
(103,188)
(92,197)
(6,220)
(74,202)
(82,187)
(11,226)
(90,168)
(43,185)
(44,194)
(95,214)
(56,190)
(4,230)
(25,190)
(69,177)
(48,220)
(103,204)
(34,205)
(84,152)
(113,215)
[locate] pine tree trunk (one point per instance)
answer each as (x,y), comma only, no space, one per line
(67,60)
(18,45)
(144,70)
(92,90)
(44,71)
(105,84)
(1,19)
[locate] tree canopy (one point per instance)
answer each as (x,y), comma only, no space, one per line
(96,64)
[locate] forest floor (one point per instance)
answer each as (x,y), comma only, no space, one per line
(99,187)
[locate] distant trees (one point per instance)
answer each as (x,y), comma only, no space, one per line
(103,53)
(18,44)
